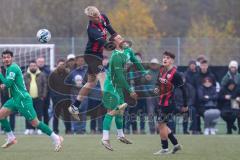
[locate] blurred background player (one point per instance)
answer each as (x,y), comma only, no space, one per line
(168,79)
(98,27)
(114,86)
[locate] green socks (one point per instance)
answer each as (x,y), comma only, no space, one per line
(107,122)
(119,121)
(44,128)
(5,125)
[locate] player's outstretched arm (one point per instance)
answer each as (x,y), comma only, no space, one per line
(134,60)
(108,25)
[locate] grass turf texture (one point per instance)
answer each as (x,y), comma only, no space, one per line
(88,147)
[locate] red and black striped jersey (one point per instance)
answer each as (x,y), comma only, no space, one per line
(97,35)
(167,81)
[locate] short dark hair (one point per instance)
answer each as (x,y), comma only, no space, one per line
(204,61)
(166,53)
(32,61)
(61,60)
(7,52)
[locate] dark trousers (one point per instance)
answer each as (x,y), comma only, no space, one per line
(193,118)
(60,111)
(38,106)
(199,114)
(130,119)
(132,113)
(229,117)
(46,103)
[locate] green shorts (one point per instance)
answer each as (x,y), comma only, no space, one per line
(112,97)
(23,106)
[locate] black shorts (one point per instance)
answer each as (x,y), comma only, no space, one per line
(165,113)
(94,63)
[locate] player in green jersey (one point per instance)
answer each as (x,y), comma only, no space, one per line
(20,101)
(114,86)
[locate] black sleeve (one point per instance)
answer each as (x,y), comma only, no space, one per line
(108,25)
(178,83)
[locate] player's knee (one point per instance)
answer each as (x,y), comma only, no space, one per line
(91,84)
(111,112)
(34,123)
(161,126)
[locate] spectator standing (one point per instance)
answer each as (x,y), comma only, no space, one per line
(152,100)
(36,84)
(191,97)
(46,102)
(235,75)
(60,92)
(76,80)
(191,72)
(232,74)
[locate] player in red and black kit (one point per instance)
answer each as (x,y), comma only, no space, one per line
(168,79)
(97,29)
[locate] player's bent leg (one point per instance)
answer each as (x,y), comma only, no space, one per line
(26,109)
(11,139)
(91,83)
(57,140)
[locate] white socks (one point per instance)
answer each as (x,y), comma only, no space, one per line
(54,137)
(10,135)
(120,133)
(105,135)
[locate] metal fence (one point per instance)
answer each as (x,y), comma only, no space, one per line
(218,51)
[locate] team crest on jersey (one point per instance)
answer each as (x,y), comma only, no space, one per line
(12,75)
(163,80)
(168,76)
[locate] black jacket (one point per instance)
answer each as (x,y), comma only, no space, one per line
(198,78)
(225,104)
(211,101)
(189,75)
(191,96)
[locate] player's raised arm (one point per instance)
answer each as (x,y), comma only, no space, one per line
(134,60)
(108,25)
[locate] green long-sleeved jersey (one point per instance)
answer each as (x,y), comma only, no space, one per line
(14,81)
(117,71)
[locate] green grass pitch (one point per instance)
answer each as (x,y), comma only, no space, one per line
(88,147)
